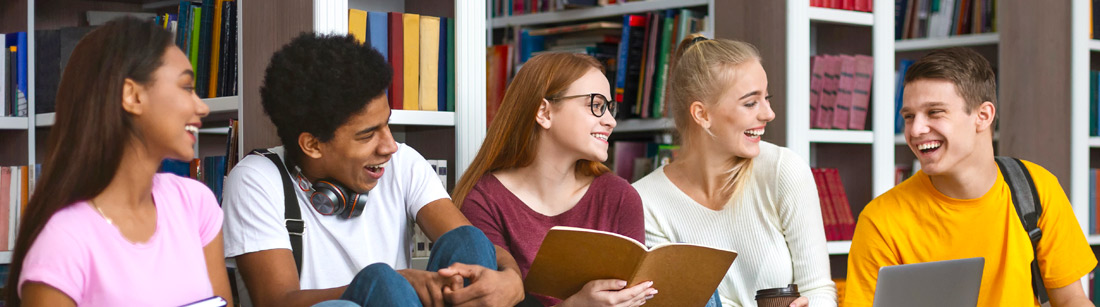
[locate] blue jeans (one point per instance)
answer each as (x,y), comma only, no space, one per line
(715,301)
(380,285)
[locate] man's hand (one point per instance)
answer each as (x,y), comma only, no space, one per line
(429,285)
(487,287)
(800,302)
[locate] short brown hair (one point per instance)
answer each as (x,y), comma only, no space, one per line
(969,71)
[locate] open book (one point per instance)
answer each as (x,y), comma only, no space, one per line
(570,257)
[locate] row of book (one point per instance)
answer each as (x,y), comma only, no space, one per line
(1094,204)
(421,51)
(899,87)
(943,18)
(836,212)
(207,34)
(634,160)
(211,170)
(13,74)
(635,53)
(1094,288)
(500,8)
(15,188)
(840,91)
(850,5)
(422,244)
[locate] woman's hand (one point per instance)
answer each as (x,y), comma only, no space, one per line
(611,292)
(801,302)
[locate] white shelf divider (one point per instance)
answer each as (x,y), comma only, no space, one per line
(591,13)
(222,104)
(953,41)
(841,136)
(215,130)
(644,125)
(1093,239)
(845,17)
(1094,142)
(422,118)
(838,247)
(44,119)
(5,257)
(1094,44)
(13,123)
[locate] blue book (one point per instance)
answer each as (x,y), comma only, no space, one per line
(1092,201)
(530,44)
(624,50)
(19,41)
(378,30)
(441,91)
(179,168)
(899,123)
(377,33)
(181,26)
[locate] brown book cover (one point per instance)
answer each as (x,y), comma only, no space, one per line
(570,257)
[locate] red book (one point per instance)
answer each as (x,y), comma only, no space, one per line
(397,60)
(841,208)
(816,84)
(827,217)
(497,81)
(848,5)
(844,92)
(861,92)
(831,78)
(863,5)
(5,206)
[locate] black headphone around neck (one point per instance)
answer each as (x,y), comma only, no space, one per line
(331,198)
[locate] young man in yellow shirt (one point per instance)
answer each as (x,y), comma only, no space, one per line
(958,205)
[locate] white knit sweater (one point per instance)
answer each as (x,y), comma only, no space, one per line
(774,225)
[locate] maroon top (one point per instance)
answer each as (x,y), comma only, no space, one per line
(610,204)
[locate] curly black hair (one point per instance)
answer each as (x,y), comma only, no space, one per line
(318,81)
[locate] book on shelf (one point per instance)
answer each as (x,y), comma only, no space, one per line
(206,33)
(17,88)
(419,49)
(943,18)
(861,92)
(836,212)
(633,160)
(899,88)
(849,5)
(570,257)
(843,104)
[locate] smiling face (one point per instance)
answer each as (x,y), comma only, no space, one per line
(940,131)
(741,113)
(166,110)
(359,150)
(572,125)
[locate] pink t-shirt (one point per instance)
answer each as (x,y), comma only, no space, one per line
(89,260)
(610,204)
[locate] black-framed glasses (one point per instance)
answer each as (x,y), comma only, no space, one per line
(597,103)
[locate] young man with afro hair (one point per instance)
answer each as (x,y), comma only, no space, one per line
(326,96)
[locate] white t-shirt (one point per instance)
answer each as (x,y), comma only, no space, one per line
(334,249)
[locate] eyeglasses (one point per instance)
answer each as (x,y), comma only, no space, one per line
(598,103)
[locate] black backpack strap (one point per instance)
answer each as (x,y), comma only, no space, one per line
(1026,200)
(292,214)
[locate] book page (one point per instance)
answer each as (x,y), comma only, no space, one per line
(571,257)
(685,274)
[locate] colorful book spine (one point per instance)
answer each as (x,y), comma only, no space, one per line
(397,60)
(817,82)
(429,63)
(450,64)
(861,92)
(843,104)
(412,61)
(441,73)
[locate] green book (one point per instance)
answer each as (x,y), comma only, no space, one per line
(662,65)
(196,20)
(450,64)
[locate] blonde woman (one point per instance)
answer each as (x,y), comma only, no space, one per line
(727,188)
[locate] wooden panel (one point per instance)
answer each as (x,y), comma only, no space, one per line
(444,8)
(432,143)
(13,147)
(1035,83)
(763,24)
(56,14)
(266,26)
(13,16)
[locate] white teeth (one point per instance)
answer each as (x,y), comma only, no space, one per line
(375,168)
(754,132)
(600,136)
(929,145)
(192,129)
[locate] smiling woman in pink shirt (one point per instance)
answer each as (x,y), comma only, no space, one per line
(103,228)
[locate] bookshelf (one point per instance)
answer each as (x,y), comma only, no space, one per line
(653,125)
(841,136)
(837,248)
(953,41)
(13,123)
(219,105)
(597,12)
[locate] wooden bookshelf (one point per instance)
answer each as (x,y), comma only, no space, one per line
(597,12)
(223,104)
(841,136)
(422,118)
(838,247)
(13,123)
(952,41)
(844,17)
(635,125)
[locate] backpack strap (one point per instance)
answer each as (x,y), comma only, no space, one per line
(292,213)
(1026,200)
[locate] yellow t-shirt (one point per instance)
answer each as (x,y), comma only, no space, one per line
(914,222)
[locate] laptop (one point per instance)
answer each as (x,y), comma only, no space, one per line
(938,283)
